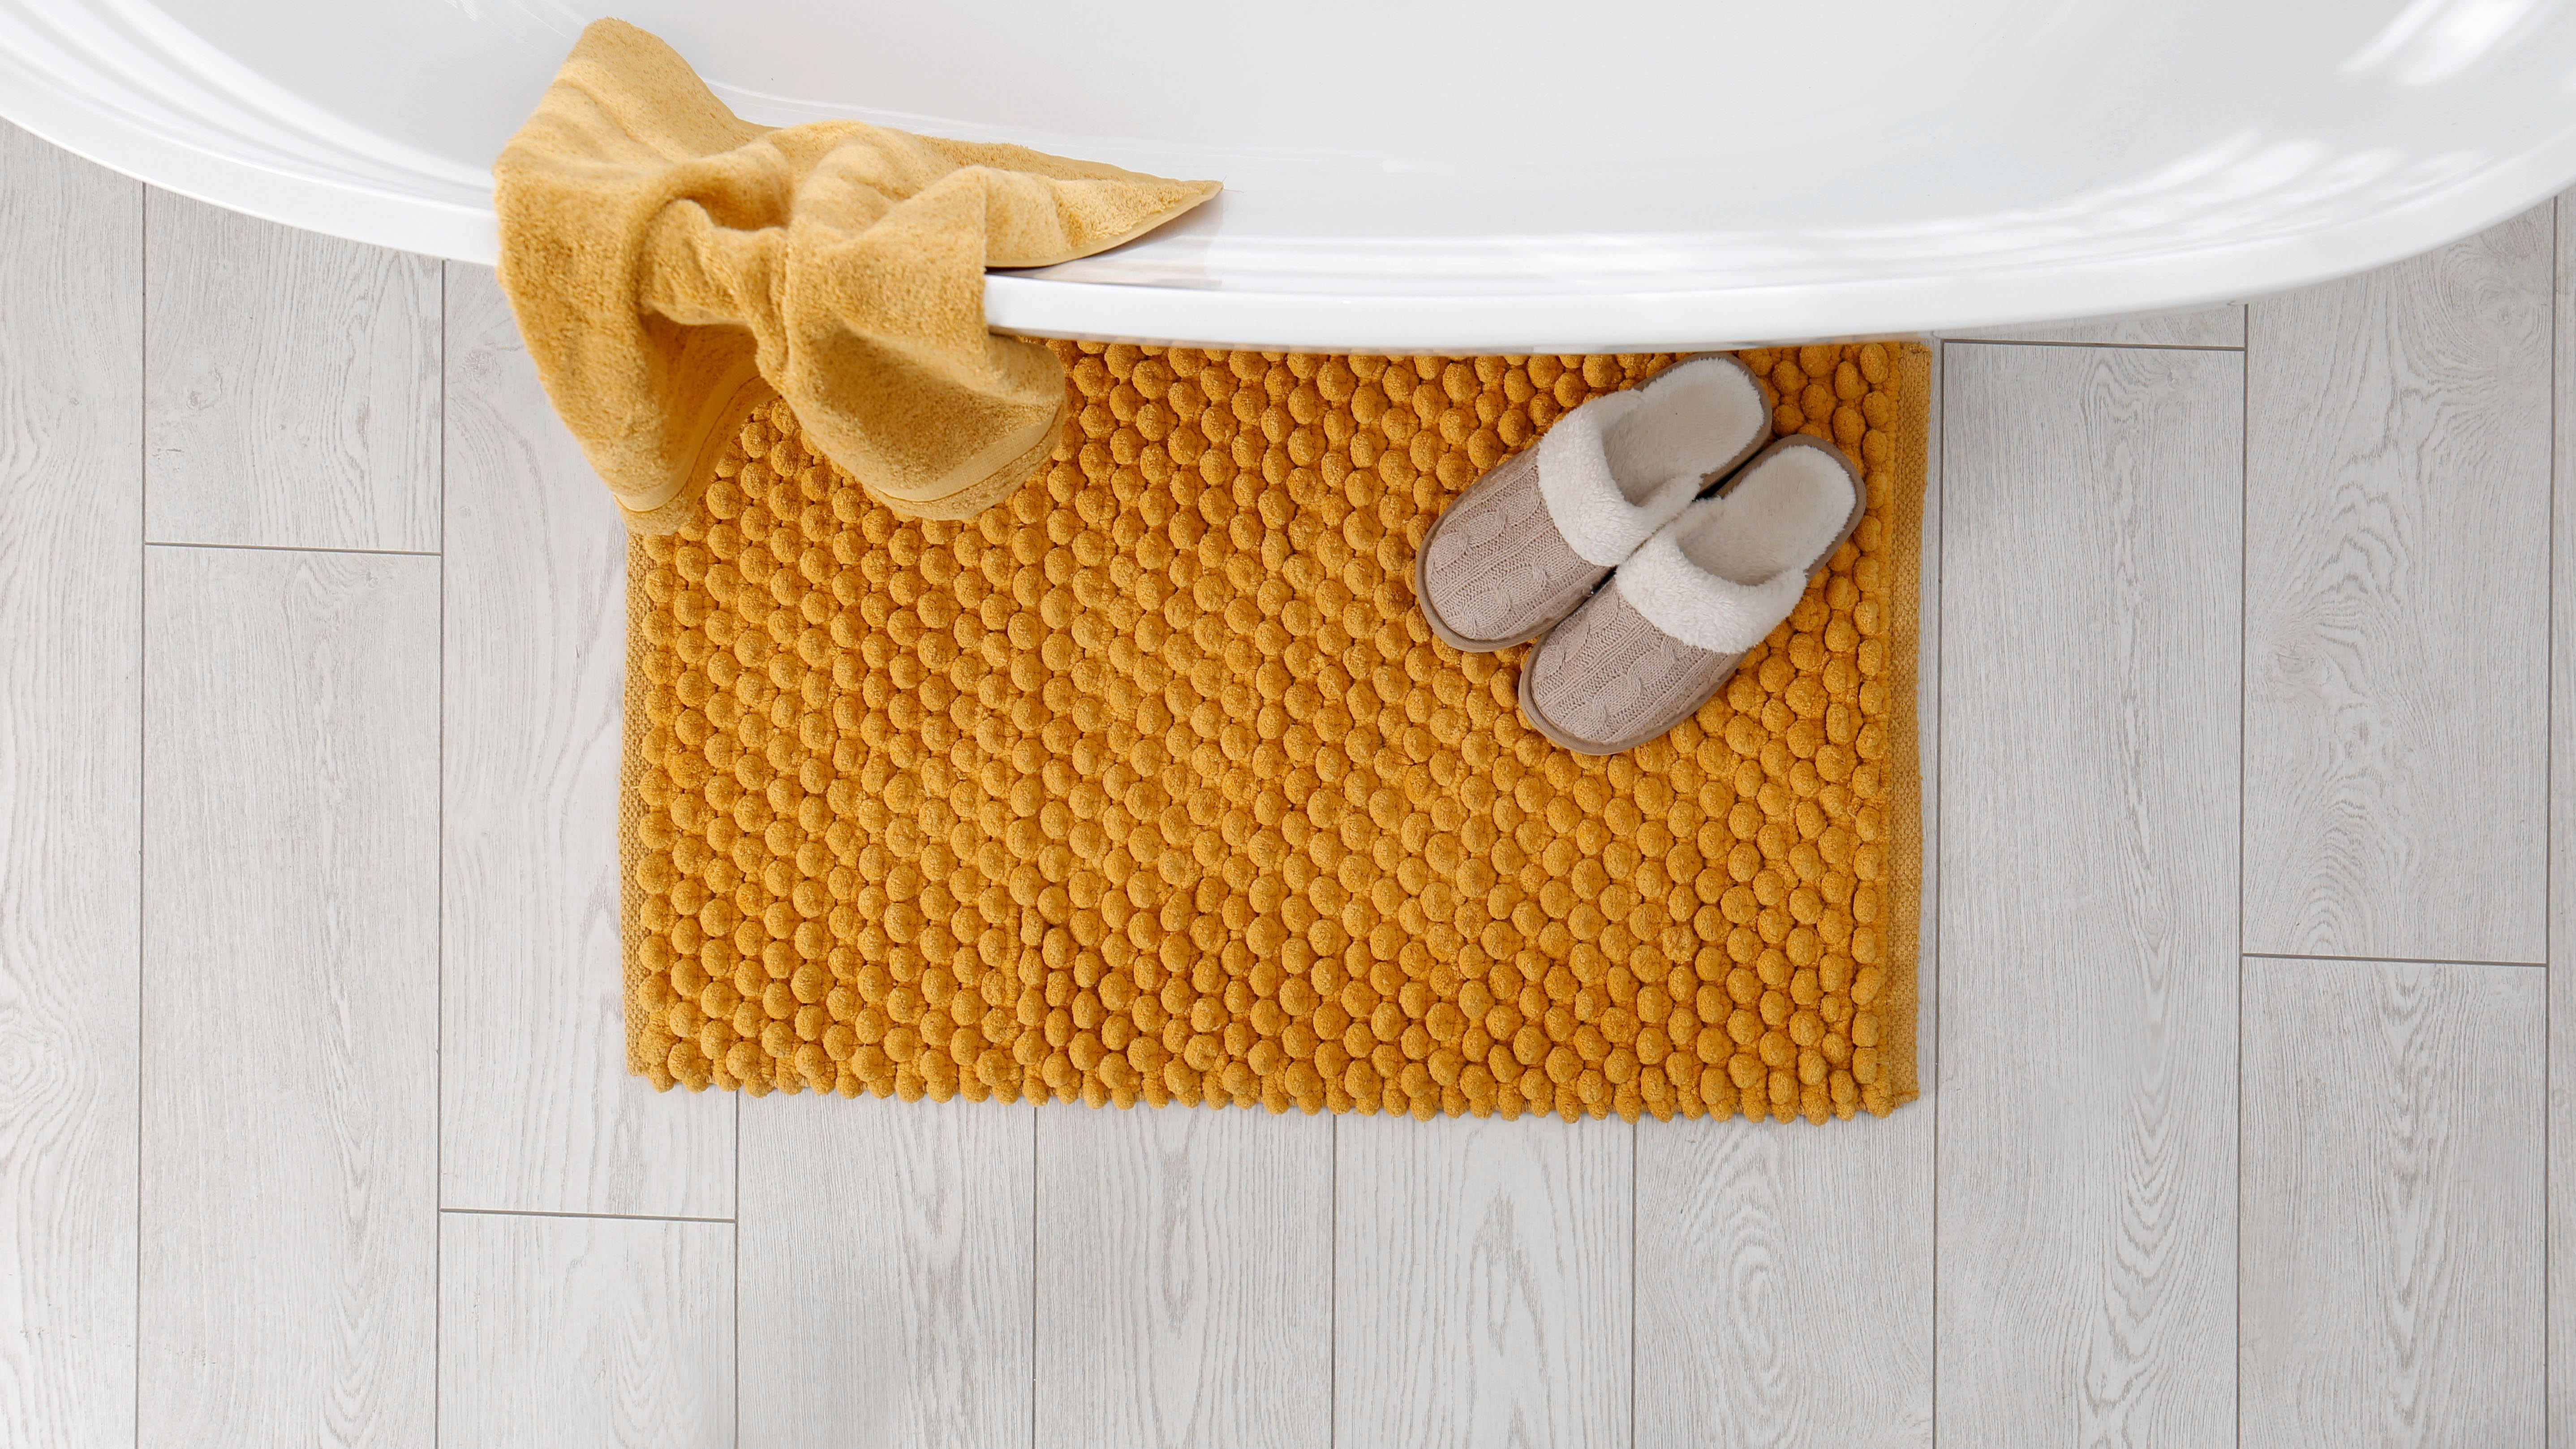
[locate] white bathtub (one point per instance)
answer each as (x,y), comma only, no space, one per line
(1453,176)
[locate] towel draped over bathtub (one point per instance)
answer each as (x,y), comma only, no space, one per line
(673,266)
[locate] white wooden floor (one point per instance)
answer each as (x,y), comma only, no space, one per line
(2240,695)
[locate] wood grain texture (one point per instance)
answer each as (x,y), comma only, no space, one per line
(2562,858)
(571,1332)
(1784,1287)
(1184,1278)
(290,385)
(2219,326)
(1483,1280)
(290,997)
(2392,1204)
(538,1112)
(885,1273)
(2088,838)
(71,561)
(1784,1292)
(2396,614)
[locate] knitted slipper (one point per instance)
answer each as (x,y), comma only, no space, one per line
(1648,650)
(1519,550)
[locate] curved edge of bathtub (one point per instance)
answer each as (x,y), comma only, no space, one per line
(137,93)
(361,189)
(1690,320)
(454,231)
(1685,321)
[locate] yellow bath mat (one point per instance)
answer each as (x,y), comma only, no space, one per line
(1152,784)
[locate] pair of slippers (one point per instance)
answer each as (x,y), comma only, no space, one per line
(1707,538)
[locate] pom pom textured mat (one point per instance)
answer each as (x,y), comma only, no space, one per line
(1152,784)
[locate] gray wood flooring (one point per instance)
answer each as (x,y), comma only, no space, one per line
(1199,1246)
(2393,1204)
(71,764)
(2397,613)
(2087,1164)
(535,643)
(289,1215)
(2249,863)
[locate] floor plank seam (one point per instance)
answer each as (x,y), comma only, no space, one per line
(601,1217)
(2392,960)
(438,1035)
(2120,346)
(1036,1124)
(2244,572)
(737,1271)
(142,720)
(1941,709)
(292,548)
(2550,806)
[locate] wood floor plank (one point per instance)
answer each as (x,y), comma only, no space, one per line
(1184,1278)
(2562,857)
(885,1273)
(71,701)
(290,385)
(1483,1281)
(290,997)
(2219,326)
(538,1111)
(2392,1204)
(2396,616)
(573,1332)
(2088,839)
(1784,1284)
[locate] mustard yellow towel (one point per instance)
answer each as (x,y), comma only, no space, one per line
(673,266)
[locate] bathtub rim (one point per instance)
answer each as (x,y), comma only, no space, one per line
(1365,321)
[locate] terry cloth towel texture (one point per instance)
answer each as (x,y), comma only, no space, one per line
(1154,784)
(673,266)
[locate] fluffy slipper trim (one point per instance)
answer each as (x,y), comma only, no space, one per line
(1724,573)
(1699,608)
(1663,439)
(1585,501)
